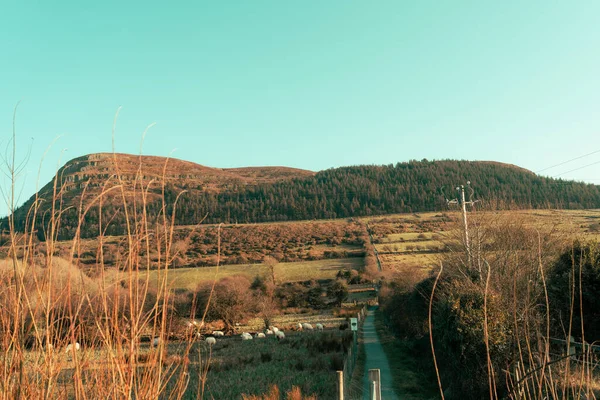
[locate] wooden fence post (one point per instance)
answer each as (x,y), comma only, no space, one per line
(571,346)
(375,384)
(340,385)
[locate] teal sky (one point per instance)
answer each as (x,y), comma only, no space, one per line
(306,84)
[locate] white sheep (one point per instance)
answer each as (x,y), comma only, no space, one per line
(280,335)
(307,326)
(269,332)
(299,326)
(274,329)
(319,327)
(246,336)
(69,348)
(210,340)
(218,333)
(260,335)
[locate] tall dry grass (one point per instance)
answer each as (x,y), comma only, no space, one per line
(274,394)
(47,303)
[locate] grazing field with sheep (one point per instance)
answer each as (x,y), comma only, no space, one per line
(307,359)
(226,367)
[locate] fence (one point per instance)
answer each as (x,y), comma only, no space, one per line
(374,248)
(352,354)
(573,346)
(561,350)
(582,353)
(362,287)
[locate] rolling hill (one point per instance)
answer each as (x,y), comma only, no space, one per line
(264,194)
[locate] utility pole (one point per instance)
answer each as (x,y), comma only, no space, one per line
(463,203)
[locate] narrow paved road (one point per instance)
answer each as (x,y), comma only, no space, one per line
(376,359)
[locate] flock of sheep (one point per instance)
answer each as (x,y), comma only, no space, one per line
(211,339)
(272,331)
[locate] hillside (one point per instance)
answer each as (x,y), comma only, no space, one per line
(95,170)
(264,194)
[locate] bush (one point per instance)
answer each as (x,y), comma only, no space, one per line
(577,270)
(339,291)
(406,309)
(503,281)
(458,331)
(231,300)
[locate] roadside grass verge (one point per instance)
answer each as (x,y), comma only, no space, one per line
(409,381)
(355,390)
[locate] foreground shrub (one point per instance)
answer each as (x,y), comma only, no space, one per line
(574,288)
(489,313)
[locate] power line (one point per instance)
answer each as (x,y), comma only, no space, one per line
(575,180)
(568,161)
(577,169)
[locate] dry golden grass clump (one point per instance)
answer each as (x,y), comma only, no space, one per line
(65,334)
(294,394)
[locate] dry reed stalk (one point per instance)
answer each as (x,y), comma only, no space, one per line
(49,302)
(437,371)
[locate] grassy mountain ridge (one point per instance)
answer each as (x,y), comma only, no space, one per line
(263,194)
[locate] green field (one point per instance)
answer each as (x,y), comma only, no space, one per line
(361,296)
(189,278)
(305,359)
(408,243)
(406,236)
(401,247)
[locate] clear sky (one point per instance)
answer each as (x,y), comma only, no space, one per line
(307,84)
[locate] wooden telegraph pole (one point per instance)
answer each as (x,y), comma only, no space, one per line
(463,203)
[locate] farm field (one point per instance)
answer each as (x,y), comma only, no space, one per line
(406,243)
(411,243)
(243,244)
(360,296)
(308,360)
(328,318)
(189,278)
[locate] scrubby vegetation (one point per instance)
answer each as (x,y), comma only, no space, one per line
(104,329)
(240,244)
(573,288)
(498,310)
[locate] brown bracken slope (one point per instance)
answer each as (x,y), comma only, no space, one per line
(96,170)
